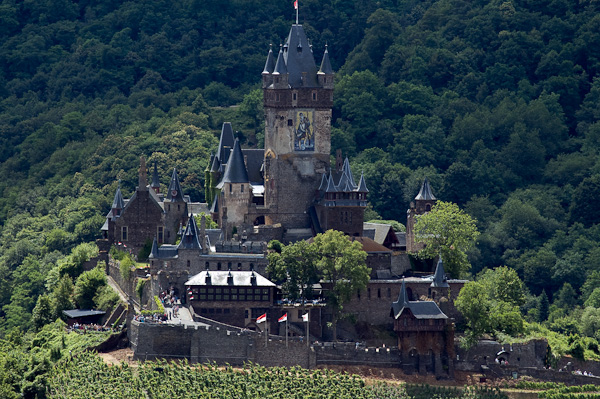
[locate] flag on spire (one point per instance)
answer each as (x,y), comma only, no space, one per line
(305,317)
(261,318)
(296,5)
(283,318)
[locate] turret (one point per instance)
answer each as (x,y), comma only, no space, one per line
(267,76)
(325,75)
(155,180)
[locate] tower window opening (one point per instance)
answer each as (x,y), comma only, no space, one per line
(290,122)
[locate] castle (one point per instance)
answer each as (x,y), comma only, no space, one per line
(287,191)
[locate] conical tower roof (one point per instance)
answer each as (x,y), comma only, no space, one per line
(225,143)
(324,183)
(236,171)
(401,302)
(280,67)
(270,63)
(175,193)
(190,240)
(155,179)
(362,185)
(118,202)
(348,173)
(216,165)
(299,58)
(330,184)
(154,251)
(325,63)
(425,193)
(439,278)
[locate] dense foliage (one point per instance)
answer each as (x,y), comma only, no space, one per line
(495,102)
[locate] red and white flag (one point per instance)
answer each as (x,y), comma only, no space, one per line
(283,318)
(305,317)
(261,318)
(296,5)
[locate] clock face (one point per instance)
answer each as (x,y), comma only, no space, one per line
(174,193)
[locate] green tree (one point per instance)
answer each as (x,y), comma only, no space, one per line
(341,263)
(86,287)
(544,307)
(449,231)
(42,313)
(61,296)
(296,267)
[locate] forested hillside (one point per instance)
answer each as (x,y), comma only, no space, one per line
(496,102)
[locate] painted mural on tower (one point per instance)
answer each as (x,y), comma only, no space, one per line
(303,131)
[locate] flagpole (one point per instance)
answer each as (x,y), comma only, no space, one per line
(307,336)
(266,333)
(297,7)
(286,332)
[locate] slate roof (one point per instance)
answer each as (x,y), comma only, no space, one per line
(439,277)
(280,67)
(254,161)
(425,193)
(420,309)
(175,193)
(215,205)
(118,202)
(325,63)
(225,143)
(165,251)
(299,58)
(240,278)
(362,185)
(155,179)
(380,231)
(270,63)
(235,171)
(190,240)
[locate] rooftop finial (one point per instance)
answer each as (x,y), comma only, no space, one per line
(296,7)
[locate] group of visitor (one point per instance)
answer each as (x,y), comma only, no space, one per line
(81,328)
(151,318)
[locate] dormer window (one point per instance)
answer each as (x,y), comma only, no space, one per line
(299,48)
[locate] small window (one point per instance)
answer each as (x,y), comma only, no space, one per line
(242,188)
(239,266)
(178,207)
(207,265)
(295,96)
(290,122)
(219,266)
(124,233)
(160,234)
(230,187)
(188,263)
(389,292)
(278,97)
(368,293)
(428,207)
(378,292)
(314,96)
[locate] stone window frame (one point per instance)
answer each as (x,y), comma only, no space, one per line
(124,233)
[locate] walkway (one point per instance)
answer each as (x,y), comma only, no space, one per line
(183,317)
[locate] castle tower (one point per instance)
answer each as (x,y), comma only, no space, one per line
(422,204)
(176,212)
(297,99)
(236,192)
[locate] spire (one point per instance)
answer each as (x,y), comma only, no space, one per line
(425,193)
(270,64)
(175,193)
(154,251)
(362,185)
(439,278)
(348,172)
(155,180)
(225,143)
(330,185)
(236,171)
(189,240)
(280,67)
(215,205)
(324,183)
(299,59)
(142,178)
(326,64)
(118,202)
(401,302)
(216,165)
